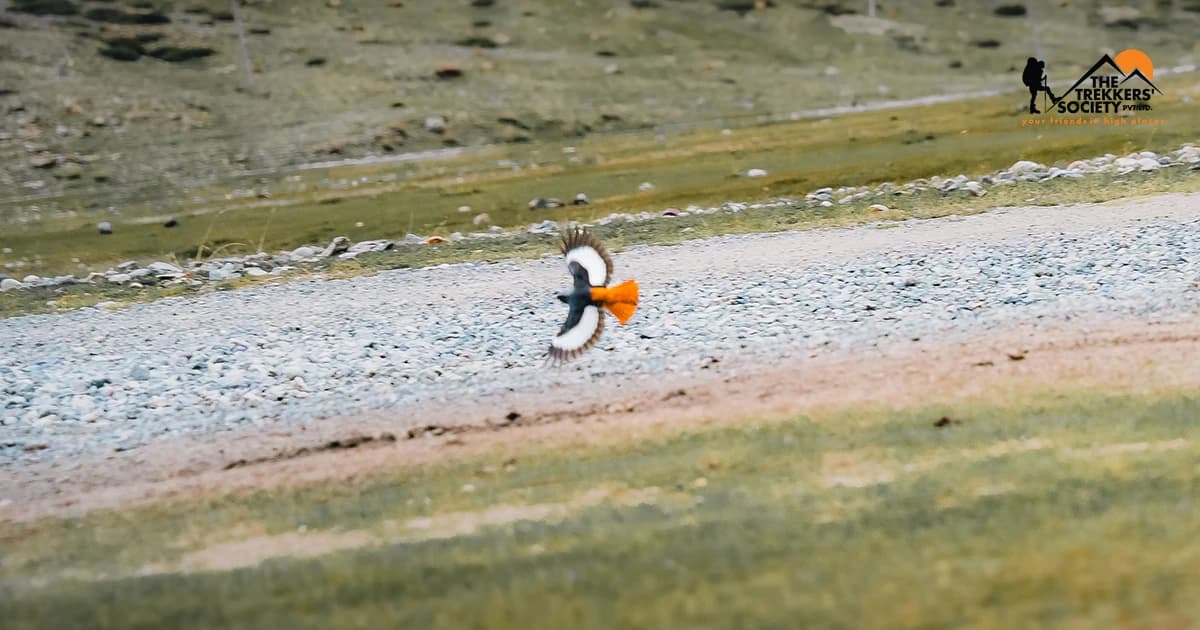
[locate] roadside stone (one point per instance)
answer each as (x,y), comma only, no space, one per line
(164,270)
(228,271)
(370,246)
(338,245)
(304,253)
(1025,166)
(545,227)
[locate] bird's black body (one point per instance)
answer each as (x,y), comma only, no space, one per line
(577,298)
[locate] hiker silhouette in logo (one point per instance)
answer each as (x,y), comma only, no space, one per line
(1034,78)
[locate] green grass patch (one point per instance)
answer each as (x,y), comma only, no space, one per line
(620,235)
(694,167)
(1066,509)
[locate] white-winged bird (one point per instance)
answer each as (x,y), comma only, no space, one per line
(591,267)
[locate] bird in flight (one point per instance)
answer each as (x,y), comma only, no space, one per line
(591,268)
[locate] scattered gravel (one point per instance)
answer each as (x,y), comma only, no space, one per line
(93,380)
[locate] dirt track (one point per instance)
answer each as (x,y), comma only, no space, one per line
(1130,356)
(1132,347)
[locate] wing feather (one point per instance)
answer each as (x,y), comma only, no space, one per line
(573,340)
(582,247)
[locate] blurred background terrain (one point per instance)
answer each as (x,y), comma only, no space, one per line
(141,99)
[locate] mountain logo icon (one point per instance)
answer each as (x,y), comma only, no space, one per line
(1113,84)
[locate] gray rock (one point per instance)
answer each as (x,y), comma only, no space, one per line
(337,246)
(1023,167)
(545,227)
(8,284)
(228,271)
(164,270)
(370,246)
(975,188)
(304,253)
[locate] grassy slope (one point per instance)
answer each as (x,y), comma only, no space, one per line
(1066,509)
(621,235)
(167,126)
(693,167)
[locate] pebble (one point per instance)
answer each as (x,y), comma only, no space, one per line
(435,124)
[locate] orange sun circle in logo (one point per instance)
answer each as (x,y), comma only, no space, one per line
(1133,59)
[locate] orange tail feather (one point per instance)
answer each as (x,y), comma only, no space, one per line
(621,300)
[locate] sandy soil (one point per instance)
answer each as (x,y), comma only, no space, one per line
(1133,356)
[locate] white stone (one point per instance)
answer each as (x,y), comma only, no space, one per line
(1025,166)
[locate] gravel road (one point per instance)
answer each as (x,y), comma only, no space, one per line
(90,381)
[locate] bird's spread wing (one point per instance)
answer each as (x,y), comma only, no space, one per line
(584,325)
(583,248)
